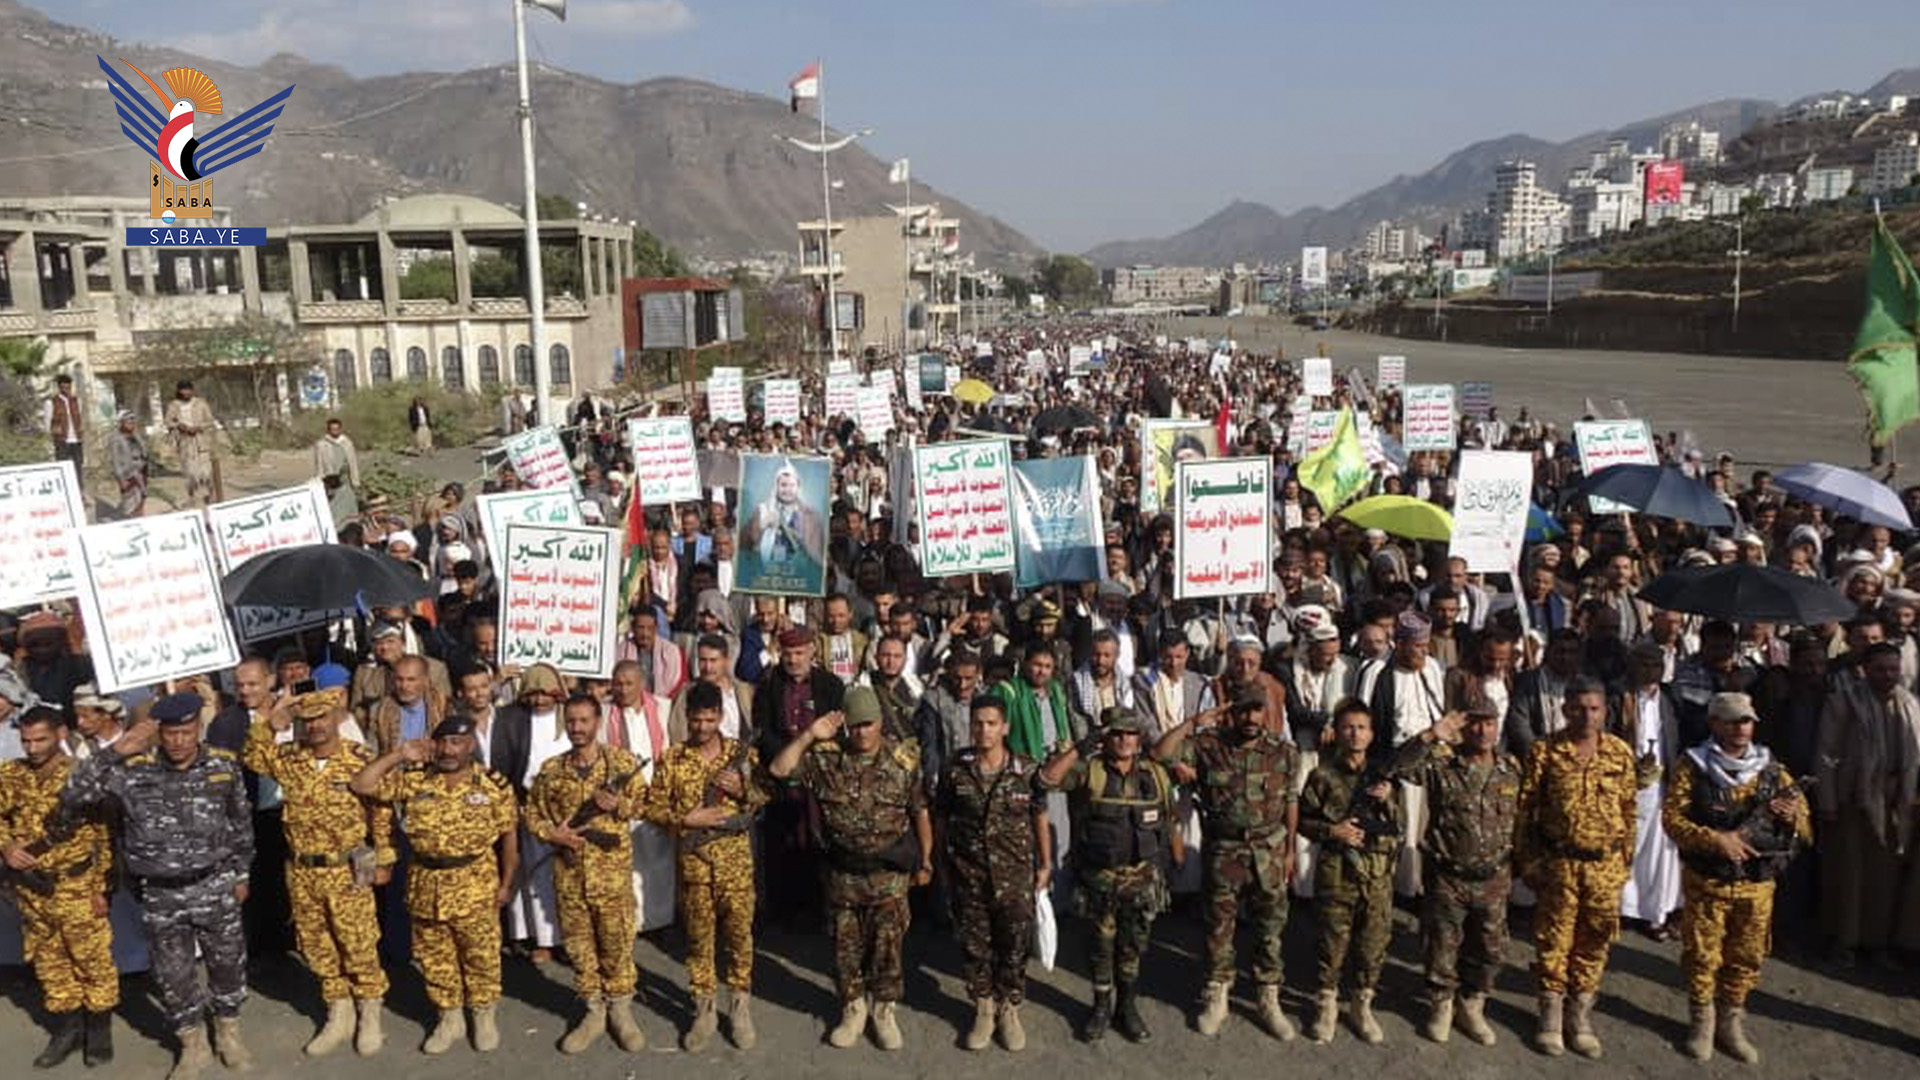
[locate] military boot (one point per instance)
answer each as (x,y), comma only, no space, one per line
(1213,1009)
(1439,1025)
(486,1033)
(740,1020)
(1102,1016)
(337,1030)
(1013,1036)
(1327,1017)
(853,1021)
(1700,1032)
(1473,1019)
(1271,1015)
(589,1027)
(69,1034)
(99,1027)
(1127,1009)
(1732,1036)
(194,1055)
(705,1023)
(226,1043)
(451,1029)
(626,1030)
(886,1031)
(367,1036)
(1580,1036)
(1364,1025)
(1548,1037)
(980,1036)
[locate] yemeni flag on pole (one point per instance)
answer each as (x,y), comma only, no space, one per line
(806,85)
(1884,354)
(633,579)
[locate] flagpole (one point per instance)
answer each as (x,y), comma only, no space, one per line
(826,203)
(906,283)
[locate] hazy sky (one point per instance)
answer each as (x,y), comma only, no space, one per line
(1080,121)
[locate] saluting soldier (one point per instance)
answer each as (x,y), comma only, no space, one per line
(455,813)
(704,790)
(1243,775)
(339,846)
(998,849)
(1473,797)
(59,874)
(188,841)
(1738,819)
(879,839)
(579,805)
(1354,815)
(1125,844)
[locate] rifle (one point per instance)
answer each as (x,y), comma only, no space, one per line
(587,811)
(59,826)
(696,839)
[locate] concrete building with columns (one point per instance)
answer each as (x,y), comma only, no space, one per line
(67,276)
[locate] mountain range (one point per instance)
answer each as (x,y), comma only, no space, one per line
(696,163)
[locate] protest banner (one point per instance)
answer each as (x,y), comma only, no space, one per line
(1321,424)
(840,365)
(843,391)
(1313,267)
(1392,371)
(1317,373)
(727,394)
(1601,443)
(874,405)
(1222,528)
(40,507)
(560,598)
(498,510)
(1297,412)
(916,397)
(783,401)
(782,547)
(1057,522)
(965,507)
(244,528)
(1079,360)
(953,377)
(1428,420)
(539,459)
(1491,499)
(665,468)
(1476,399)
(1165,442)
(933,373)
(150,595)
(719,468)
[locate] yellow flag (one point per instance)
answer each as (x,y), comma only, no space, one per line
(1337,472)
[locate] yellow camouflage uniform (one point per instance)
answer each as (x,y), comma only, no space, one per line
(1573,843)
(716,865)
(1726,926)
(454,878)
(335,921)
(593,887)
(70,947)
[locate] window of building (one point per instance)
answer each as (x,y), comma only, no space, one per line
(416,364)
(451,371)
(345,376)
(560,363)
(489,365)
(380,365)
(523,373)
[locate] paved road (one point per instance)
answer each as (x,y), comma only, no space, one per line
(1765,411)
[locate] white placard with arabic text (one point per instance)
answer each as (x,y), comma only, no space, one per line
(1427,418)
(150,594)
(560,598)
(965,506)
(497,511)
(539,459)
(1490,504)
(783,401)
(40,507)
(1222,528)
(727,394)
(665,467)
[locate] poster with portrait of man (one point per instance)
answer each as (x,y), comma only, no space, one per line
(1165,443)
(782,548)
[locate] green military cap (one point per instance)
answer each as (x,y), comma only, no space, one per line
(1115,719)
(862,707)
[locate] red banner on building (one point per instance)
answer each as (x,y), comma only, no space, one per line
(1664,179)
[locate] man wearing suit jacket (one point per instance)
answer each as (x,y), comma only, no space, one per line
(1166,694)
(1474,600)
(1547,610)
(502,733)
(1534,712)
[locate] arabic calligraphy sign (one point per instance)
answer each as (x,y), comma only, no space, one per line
(150,594)
(876,411)
(1428,417)
(664,462)
(258,524)
(1316,372)
(783,401)
(843,394)
(538,458)
(559,598)
(965,507)
(497,511)
(1392,371)
(39,510)
(1602,443)
(1491,500)
(727,394)
(1222,528)
(1476,399)
(1058,521)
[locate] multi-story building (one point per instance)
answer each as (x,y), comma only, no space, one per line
(1524,217)
(1597,206)
(1895,163)
(1130,286)
(1721,200)
(1827,184)
(896,278)
(1777,191)
(1691,143)
(337,290)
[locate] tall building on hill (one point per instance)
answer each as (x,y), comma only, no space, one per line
(1895,163)
(1691,143)
(1524,217)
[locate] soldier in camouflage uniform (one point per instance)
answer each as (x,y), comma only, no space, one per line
(704,790)
(1573,845)
(1242,776)
(1355,816)
(1473,793)
(188,842)
(455,812)
(998,852)
(328,828)
(59,873)
(879,839)
(579,804)
(1125,844)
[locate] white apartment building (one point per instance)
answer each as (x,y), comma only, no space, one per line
(1129,285)
(1524,217)
(1691,143)
(1895,163)
(1597,206)
(1721,200)
(1827,185)
(1776,190)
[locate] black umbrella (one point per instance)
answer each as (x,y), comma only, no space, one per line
(1660,491)
(1743,592)
(322,577)
(1065,418)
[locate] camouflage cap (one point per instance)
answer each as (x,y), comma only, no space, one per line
(862,707)
(1117,719)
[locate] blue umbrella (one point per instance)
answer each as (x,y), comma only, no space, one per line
(1541,527)
(1845,492)
(1660,491)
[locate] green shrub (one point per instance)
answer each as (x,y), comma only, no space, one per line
(376,416)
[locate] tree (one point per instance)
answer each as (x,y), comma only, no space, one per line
(1067,280)
(1017,289)
(653,257)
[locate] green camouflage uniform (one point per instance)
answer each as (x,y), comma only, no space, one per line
(1121,895)
(1244,790)
(987,819)
(1353,887)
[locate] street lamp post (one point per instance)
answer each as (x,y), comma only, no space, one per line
(1738,255)
(823,148)
(530,213)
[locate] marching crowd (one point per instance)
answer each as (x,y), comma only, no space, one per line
(1380,726)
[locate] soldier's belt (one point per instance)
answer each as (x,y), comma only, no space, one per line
(605,841)
(314,861)
(41,882)
(177,881)
(1576,852)
(1475,872)
(445,862)
(1227,835)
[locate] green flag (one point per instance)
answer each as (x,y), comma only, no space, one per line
(1338,471)
(1884,355)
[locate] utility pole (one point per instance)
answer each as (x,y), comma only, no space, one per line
(1739,253)
(530,213)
